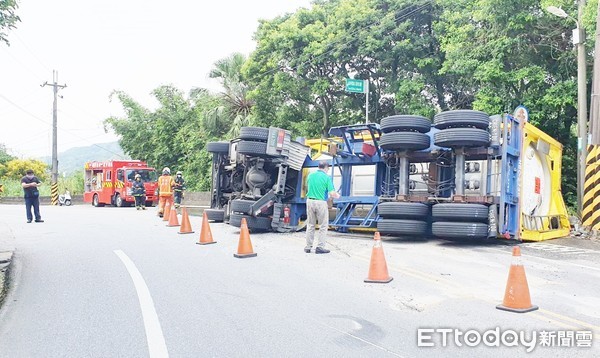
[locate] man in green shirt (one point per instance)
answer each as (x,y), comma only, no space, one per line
(319,185)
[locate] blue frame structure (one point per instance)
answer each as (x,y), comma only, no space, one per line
(350,153)
(509,216)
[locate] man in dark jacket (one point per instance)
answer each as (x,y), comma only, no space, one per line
(30,184)
(139,193)
(179,188)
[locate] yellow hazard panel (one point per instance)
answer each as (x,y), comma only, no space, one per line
(107,184)
(590,211)
(543,212)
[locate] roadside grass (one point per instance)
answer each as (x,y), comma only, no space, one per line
(73,183)
(12,188)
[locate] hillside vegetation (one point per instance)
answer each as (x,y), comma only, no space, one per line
(420,57)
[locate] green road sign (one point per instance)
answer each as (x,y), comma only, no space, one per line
(356,86)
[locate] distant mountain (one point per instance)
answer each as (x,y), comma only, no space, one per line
(73,159)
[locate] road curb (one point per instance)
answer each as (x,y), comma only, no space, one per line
(5,264)
(6,255)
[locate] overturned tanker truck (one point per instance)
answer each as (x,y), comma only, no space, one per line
(464,175)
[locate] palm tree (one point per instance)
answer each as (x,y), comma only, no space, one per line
(234,105)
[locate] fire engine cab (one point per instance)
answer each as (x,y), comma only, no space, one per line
(109,183)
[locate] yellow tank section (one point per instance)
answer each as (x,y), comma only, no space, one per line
(543,212)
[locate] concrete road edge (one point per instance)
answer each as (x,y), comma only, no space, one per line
(6,254)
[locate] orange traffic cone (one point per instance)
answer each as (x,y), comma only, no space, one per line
(244,245)
(205,234)
(378,272)
(173,221)
(516,296)
(167,211)
(186,227)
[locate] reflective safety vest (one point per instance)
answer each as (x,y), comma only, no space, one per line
(165,183)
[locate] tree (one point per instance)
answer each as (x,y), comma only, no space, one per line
(8,18)
(4,156)
(513,52)
(302,60)
(295,72)
(421,57)
(234,107)
(171,136)
(16,168)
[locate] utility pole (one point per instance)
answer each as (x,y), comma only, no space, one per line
(55,87)
(582,127)
(366,101)
(595,102)
(591,198)
(582,116)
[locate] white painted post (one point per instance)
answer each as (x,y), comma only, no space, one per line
(366,101)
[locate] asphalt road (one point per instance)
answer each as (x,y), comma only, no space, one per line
(116,282)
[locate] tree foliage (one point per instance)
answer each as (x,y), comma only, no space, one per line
(4,155)
(8,18)
(16,168)
(234,105)
(420,57)
(171,136)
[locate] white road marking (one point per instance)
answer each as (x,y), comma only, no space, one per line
(555,262)
(154,335)
(359,339)
(559,248)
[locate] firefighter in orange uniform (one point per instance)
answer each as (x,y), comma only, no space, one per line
(165,190)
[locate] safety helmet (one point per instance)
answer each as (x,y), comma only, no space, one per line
(166,170)
(179,173)
(138,176)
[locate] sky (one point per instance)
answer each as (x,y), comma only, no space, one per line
(97,47)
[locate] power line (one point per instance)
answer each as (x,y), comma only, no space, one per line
(22,64)
(31,52)
(24,110)
(85,111)
(29,102)
(62,129)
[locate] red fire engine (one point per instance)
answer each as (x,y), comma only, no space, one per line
(110,182)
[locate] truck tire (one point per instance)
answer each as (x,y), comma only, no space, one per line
(217,215)
(462,137)
(241,206)
(402,227)
(254,134)
(96,201)
(461,118)
(256,149)
(256,223)
(149,204)
(404,123)
(460,212)
(459,230)
(404,141)
(401,210)
(119,202)
(217,147)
